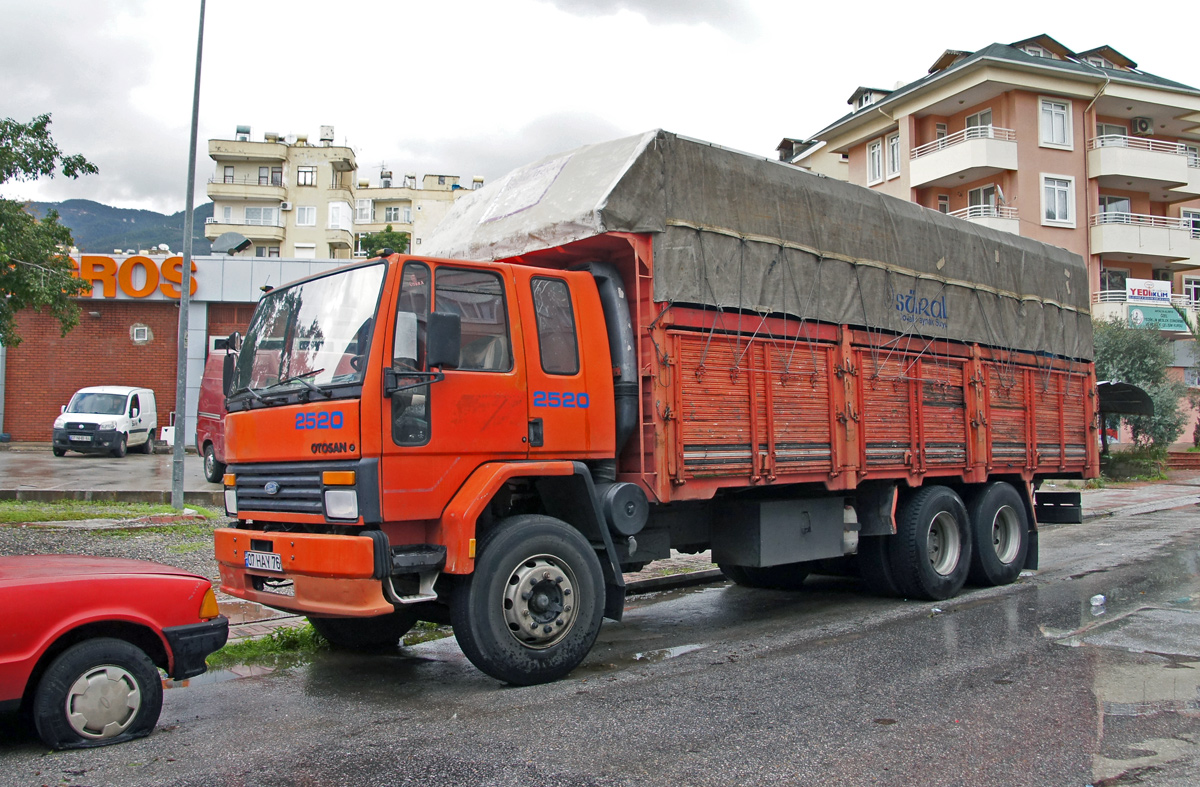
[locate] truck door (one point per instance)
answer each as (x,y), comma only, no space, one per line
(436,434)
(570,401)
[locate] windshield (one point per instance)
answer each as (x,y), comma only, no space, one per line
(97,403)
(316,332)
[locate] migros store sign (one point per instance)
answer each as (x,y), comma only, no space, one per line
(135,277)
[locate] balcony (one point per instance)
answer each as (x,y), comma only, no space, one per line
(1109,304)
(964,156)
(238,150)
(339,238)
(215,227)
(1140,238)
(998,217)
(245,187)
(1165,170)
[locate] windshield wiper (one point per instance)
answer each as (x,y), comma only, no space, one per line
(299,378)
(248,390)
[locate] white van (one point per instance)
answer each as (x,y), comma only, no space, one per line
(107,419)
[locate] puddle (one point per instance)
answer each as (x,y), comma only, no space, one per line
(240,612)
(654,656)
(220,676)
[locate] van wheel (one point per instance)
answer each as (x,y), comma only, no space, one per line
(1001,530)
(148,446)
(930,554)
(119,449)
(531,611)
(213,470)
(59,451)
(788,576)
(96,692)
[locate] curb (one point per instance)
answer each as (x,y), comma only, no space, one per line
(112,496)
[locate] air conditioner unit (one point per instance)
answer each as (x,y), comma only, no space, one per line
(285,206)
(1142,127)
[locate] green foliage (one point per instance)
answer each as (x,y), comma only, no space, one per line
(34,268)
(282,646)
(22,511)
(387,238)
(1141,357)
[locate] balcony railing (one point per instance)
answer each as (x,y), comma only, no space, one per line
(958,137)
(246,180)
(985,212)
(1141,220)
(244,223)
(1144,143)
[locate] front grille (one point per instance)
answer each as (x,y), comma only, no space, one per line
(297,486)
(79,427)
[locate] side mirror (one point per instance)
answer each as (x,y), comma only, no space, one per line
(134,413)
(233,343)
(443,341)
(62,408)
(227,369)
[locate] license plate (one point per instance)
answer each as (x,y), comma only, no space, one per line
(81,438)
(264,561)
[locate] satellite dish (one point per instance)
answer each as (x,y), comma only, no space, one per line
(231,243)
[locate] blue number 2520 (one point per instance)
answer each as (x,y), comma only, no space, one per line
(325,420)
(560,399)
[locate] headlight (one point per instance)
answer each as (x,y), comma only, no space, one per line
(230,501)
(341,503)
(60,423)
(108,426)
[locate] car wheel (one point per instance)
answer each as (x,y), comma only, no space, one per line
(366,633)
(789,576)
(59,451)
(119,449)
(214,470)
(531,611)
(1001,529)
(930,554)
(97,692)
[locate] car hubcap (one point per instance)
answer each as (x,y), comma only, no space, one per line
(1006,534)
(103,702)
(208,462)
(540,602)
(944,544)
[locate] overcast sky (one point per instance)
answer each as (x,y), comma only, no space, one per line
(477,87)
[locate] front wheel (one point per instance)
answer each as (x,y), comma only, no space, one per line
(1001,529)
(532,610)
(931,551)
(366,633)
(97,692)
(59,451)
(213,470)
(119,449)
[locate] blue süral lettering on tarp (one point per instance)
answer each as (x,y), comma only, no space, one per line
(926,312)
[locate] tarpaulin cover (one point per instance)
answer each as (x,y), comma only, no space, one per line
(738,232)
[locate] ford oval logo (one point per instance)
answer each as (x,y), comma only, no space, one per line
(271,488)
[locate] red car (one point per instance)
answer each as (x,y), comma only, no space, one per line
(83,640)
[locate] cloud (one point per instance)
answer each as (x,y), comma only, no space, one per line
(732,17)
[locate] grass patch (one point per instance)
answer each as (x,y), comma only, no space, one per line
(425,631)
(200,530)
(282,646)
(189,547)
(22,511)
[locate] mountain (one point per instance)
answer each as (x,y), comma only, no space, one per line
(101,229)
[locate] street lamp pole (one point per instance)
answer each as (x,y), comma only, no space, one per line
(185,291)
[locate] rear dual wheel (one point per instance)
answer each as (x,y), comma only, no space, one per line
(1000,526)
(532,609)
(930,554)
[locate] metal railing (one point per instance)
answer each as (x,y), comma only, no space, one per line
(985,212)
(1145,143)
(1139,219)
(958,137)
(247,180)
(1121,296)
(244,223)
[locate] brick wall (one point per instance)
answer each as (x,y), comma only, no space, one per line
(46,368)
(225,318)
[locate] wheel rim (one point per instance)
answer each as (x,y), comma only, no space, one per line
(944,543)
(209,460)
(1006,534)
(103,702)
(539,601)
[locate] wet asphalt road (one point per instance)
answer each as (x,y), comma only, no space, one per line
(1024,685)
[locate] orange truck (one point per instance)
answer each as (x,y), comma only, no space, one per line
(640,346)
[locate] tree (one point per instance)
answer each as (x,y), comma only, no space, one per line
(372,242)
(35,270)
(1141,356)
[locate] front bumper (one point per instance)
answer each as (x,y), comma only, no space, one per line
(83,440)
(192,643)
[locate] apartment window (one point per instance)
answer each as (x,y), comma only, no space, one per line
(441,180)
(266,251)
(306,251)
(362,211)
(1193,155)
(1115,210)
(398,215)
(874,162)
(1191,219)
(276,176)
(865,100)
(1036,51)
(939,131)
(893,155)
(981,201)
(1055,124)
(229,174)
(1191,289)
(263,217)
(979,125)
(1058,200)
(340,217)
(306,176)
(227,214)
(1113,279)
(306,216)
(264,176)
(943,203)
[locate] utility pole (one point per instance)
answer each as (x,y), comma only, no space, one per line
(185,291)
